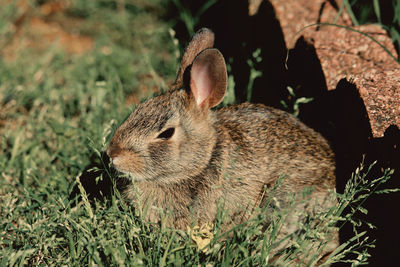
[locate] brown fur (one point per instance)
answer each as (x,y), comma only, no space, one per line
(203,39)
(228,155)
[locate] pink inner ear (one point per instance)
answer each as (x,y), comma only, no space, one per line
(201,82)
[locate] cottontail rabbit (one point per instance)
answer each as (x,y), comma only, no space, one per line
(184,157)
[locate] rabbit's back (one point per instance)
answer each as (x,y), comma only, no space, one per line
(267,143)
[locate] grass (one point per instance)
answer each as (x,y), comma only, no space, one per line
(57,111)
(384,13)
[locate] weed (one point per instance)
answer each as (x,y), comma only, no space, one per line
(296,102)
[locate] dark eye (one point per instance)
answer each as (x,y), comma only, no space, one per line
(167,134)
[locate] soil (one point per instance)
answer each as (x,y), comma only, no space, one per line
(50,27)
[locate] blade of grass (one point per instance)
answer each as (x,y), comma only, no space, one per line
(377,11)
(164,257)
(350,12)
(344,27)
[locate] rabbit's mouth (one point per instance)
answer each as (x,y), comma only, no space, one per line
(128,163)
(137,177)
(123,172)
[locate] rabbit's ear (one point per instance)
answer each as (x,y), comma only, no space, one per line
(203,39)
(208,78)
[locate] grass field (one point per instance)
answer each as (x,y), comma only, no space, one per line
(57,112)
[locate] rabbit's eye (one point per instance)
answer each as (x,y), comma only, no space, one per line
(167,134)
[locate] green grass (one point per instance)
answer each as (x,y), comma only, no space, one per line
(57,112)
(382,12)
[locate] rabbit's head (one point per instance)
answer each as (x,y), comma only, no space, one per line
(171,137)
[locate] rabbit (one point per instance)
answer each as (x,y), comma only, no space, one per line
(184,157)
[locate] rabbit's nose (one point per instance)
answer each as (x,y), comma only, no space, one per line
(113,150)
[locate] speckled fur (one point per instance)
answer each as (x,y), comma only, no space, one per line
(230,155)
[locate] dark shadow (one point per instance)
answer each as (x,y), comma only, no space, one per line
(96,180)
(383,209)
(238,36)
(341,116)
(305,76)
